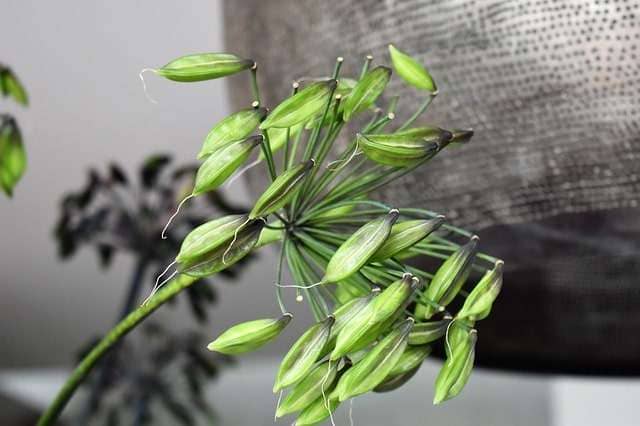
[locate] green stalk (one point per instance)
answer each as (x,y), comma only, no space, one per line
(83,369)
(419,111)
(283,309)
(285,157)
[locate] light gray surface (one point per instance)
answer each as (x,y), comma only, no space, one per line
(80,62)
(243,397)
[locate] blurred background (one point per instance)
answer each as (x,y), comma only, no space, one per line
(80,62)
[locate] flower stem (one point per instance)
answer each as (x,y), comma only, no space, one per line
(98,352)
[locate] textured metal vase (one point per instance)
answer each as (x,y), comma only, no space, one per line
(551,181)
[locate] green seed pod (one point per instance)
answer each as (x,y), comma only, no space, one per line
(343,316)
(412,357)
(281,190)
(204,66)
(376,365)
(356,251)
(303,354)
(404,235)
(13,158)
(427,332)
(317,412)
(11,86)
(395,382)
(209,236)
(449,278)
(393,298)
(269,236)
(456,370)
(222,163)
(278,137)
(403,149)
(226,254)
(375,317)
(300,107)
(249,336)
(411,71)
(237,126)
(318,381)
(457,332)
(366,91)
(478,304)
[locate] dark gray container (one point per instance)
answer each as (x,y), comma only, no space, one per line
(551,182)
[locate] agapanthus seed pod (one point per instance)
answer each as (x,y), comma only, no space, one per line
(393,383)
(365,93)
(226,254)
(456,370)
(375,317)
(318,411)
(235,127)
(376,365)
(10,86)
(221,164)
(404,235)
(448,279)
(411,71)
(478,304)
(456,333)
(401,149)
(318,381)
(249,336)
(412,357)
(303,354)
(13,158)
(209,236)
(300,107)
(393,298)
(343,316)
(427,332)
(204,66)
(356,251)
(406,367)
(281,190)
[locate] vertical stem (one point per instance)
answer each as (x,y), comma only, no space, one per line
(420,110)
(283,309)
(254,83)
(285,157)
(133,295)
(268,155)
(265,145)
(78,375)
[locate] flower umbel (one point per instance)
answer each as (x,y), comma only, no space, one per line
(377,316)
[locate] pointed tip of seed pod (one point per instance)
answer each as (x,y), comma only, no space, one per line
(255,104)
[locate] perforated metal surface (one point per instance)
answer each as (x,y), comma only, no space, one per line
(552,179)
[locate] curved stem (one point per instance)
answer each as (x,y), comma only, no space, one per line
(98,352)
